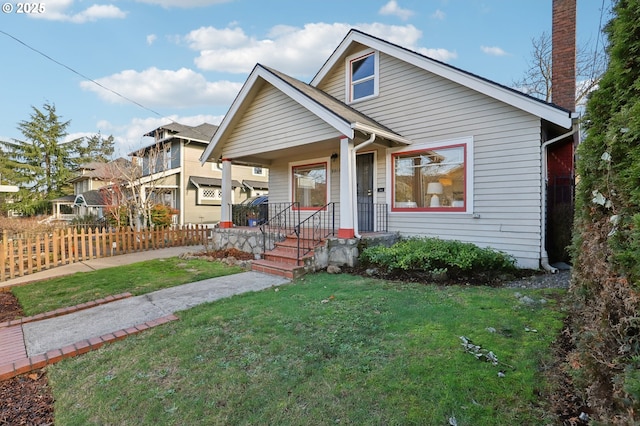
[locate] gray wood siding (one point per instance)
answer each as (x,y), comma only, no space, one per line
(506,166)
(274,121)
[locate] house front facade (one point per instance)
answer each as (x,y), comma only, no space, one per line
(383,130)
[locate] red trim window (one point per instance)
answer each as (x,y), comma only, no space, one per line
(310,185)
(431,179)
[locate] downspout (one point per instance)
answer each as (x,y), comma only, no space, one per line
(544,256)
(354,183)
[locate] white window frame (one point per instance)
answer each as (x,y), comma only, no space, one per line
(327,163)
(376,75)
(217,193)
(469,173)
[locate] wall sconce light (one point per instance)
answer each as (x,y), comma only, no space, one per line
(334,165)
(435,189)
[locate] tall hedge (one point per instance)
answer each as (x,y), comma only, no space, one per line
(605,364)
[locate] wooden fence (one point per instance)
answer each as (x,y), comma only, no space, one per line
(33,253)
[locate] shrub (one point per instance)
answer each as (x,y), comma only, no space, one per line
(161,215)
(434,255)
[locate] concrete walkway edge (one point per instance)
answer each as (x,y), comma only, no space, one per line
(31,343)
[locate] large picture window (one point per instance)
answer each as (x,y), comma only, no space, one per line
(310,185)
(431,179)
(362,76)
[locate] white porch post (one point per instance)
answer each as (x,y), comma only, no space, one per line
(225,213)
(346,228)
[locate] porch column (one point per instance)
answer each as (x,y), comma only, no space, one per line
(346,229)
(225,207)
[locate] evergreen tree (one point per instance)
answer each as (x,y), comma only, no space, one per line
(606,278)
(42,163)
(96,148)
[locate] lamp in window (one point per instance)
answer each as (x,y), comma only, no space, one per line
(435,189)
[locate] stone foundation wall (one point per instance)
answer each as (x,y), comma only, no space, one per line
(336,251)
(246,240)
(345,251)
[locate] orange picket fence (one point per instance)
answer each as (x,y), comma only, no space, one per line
(27,254)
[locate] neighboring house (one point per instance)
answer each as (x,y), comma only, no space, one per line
(172,173)
(91,184)
(88,190)
(447,153)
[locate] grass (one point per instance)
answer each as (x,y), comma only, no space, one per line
(327,349)
(138,278)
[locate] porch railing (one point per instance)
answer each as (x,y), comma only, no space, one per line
(281,222)
(284,220)
(373,217)
(314,229)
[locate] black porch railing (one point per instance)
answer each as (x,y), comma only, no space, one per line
(281,222)
(314,229)
(277,221)
(373,217)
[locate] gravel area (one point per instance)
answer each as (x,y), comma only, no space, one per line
(561,279)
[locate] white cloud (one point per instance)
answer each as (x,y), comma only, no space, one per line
(183,3)
(439,15)
(59,10)
(212,38)
(392,8)
(493,50)
(154,87)
(151,38)
(443,55)
(293,50)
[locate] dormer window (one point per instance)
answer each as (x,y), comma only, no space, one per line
(362,76)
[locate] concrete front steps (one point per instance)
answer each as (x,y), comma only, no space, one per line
(283,260)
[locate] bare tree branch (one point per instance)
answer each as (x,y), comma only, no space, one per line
(536,81)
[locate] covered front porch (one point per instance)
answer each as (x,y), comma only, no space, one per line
(288,245)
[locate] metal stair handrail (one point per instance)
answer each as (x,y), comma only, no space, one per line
(279,224)
(315,228)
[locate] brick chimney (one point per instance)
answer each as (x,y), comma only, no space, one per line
(563,56)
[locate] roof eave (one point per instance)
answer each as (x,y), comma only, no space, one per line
(212,152)
(380,133)
(522,101)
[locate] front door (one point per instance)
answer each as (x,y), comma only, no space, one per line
(364,180)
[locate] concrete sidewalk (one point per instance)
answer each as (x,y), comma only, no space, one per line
(34,342)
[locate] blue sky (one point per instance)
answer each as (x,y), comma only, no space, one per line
(185,60)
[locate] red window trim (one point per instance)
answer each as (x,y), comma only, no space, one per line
(429,209)
(326,195)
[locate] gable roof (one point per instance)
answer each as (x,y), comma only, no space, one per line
(99,170)
(202,133)
(94,198)
(515,98)
(340,116)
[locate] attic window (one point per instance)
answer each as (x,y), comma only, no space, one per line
(362,76)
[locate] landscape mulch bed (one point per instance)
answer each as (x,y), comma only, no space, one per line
(27,399)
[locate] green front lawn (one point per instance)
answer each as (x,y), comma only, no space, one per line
(138,278)
(324,350)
